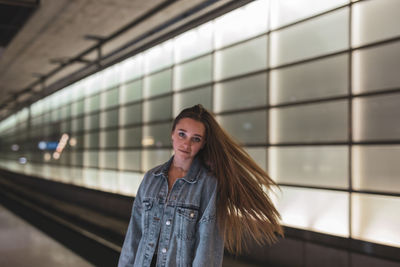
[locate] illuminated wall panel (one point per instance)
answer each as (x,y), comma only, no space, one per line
(376,117)
(131,114)
(375,219)
(129,160)
(193,73)
(158,57)
(131,68)
(109,139)
(128,182)
(91,140)
(76,174)
(259,155)
(108,179)
(242,58)
(247,128)
(91,178)
(78,91)
(77,124)
(246,92)
(91,85)
(201,95)
(309,123)
(77,159)
(77,108)
(325,166)
(130,137)
(157,135)
(376,168)
(373,68)
(194,42)
(158,83)
(109,118)
(91,159)
(157,109)
(230,28)
(55,115)
(110,77)
(130,92)
(108,159)
(92,122)
(65,113)
(315,37)
(322,78)
(288,11)
(299,208)
(374,21)
(109,98)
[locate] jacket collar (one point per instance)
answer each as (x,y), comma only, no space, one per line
(191,176)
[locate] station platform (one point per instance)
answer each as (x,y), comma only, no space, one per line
(21,244)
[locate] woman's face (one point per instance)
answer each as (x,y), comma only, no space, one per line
(188,138)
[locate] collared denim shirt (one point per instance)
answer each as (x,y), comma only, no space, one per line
(181,225)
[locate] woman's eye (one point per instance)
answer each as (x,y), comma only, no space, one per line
(196,139)
(181,134)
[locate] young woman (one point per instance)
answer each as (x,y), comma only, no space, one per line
(209,194)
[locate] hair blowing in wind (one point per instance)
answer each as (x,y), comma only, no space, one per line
(244,209)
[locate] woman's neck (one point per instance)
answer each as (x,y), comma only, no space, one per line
(177,170)
(181,165)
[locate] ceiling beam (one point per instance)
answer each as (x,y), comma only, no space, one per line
(94,37)
(29,4)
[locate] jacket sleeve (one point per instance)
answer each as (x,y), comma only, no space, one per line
(209,246)
(133,234)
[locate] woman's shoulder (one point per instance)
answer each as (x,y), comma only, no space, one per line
(155,170)
(159,169)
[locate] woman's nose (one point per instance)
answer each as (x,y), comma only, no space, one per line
(186,142)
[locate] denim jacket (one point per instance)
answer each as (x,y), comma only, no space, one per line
(181,225)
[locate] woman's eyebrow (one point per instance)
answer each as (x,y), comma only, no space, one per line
(198,135)
(183,130)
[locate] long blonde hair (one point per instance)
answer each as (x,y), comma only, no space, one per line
(244,209)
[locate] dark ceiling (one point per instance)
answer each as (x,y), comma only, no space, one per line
(13,15)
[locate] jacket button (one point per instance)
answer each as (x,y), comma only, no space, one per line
(164,250)
(168,222)
(191,215)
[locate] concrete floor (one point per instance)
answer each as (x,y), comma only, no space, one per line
(23,245)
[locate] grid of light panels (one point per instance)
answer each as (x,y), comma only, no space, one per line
(309,87)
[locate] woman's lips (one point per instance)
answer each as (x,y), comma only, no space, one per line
(183,151)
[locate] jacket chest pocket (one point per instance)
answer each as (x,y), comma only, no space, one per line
(147,204)
(187,219)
